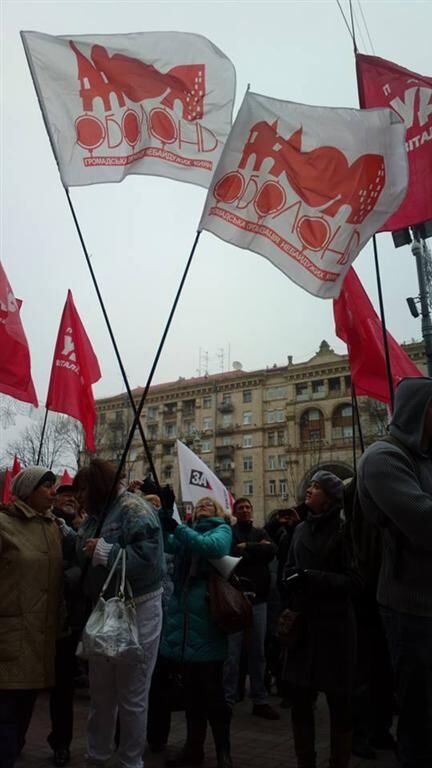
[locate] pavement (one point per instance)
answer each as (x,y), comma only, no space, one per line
(256,743)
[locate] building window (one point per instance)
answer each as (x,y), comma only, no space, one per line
(168,450)
(170,429)
(312,425)
(168,473)
(206,446)
(271,438)
(342,422)
(347,380)
(247,463)
(189,428)
(283,488)
(170,408)
(280,437)
(247,395)
(226,440)
(188,408)
(226,464)
(282,461)
(207,402)
(334,386)
(207,422)
(275,393)
(318,388)
(247,418)
(226,399)
(302,391)
(247,441)
(227,420)
(152,413)
(102,418)
(152,432)
(248,488)
(271,461)
(272,487)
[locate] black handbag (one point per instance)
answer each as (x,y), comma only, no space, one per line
(290,629)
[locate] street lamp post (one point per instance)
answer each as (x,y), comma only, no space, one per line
(418,249)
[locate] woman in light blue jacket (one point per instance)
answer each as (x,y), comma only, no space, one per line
(131,523)
(190,635)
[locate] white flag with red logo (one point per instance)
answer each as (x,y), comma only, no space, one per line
(197,479)
(150,102)
(307,187)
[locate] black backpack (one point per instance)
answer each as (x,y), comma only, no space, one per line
(365,536)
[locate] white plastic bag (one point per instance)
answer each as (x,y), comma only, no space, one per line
(111,631)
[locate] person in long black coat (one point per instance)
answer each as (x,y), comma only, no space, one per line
(324,659)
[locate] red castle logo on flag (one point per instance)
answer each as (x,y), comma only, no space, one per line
(122,85)
(320,178)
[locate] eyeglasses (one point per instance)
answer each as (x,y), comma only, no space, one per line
(205,504)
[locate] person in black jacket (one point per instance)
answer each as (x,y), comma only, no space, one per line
(319,581)
(256,549)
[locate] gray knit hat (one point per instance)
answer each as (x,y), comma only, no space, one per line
(331,485)
(29,479)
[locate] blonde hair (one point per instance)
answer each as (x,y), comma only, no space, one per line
(219,510)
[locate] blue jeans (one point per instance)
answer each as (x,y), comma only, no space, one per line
(410,645)
(256,659)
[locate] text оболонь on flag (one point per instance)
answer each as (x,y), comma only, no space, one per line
(75,368)
(409,95)
(15,367)
(144,103)
(307,187)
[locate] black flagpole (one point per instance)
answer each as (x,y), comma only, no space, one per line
(42,436)
(374,241)
(138,411)
(112,337)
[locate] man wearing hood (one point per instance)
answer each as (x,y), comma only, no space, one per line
(395,494)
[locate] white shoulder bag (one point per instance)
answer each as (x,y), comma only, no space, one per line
(111,631)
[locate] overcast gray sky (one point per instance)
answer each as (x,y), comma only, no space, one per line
(140,232)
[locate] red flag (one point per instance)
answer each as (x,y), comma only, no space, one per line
(384,84)
(66,479)
(7,486)
(16,466)
(15,374)
(75,368)
(359,326)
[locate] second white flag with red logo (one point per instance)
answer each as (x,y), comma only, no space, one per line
(307,187)
(149,102)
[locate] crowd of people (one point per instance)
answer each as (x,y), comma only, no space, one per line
(340,588)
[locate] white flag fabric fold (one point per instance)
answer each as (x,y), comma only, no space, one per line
(155,103)
(307,187)
(198,480)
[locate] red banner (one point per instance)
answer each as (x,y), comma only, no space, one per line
(75,368)
(15,373)
(384,84)
(359,326)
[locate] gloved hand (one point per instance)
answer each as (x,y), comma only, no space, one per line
(167,521)
(167,497)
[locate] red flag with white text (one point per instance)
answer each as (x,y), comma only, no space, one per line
(75,368)
(385,84)
(359,326)
(155,103)
(307,187)
(15,367)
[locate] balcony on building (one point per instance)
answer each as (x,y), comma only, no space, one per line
(225,450)
(226,405)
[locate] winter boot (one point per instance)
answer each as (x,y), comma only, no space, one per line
(193,751)
(304,743)
(340,748)
(221,734)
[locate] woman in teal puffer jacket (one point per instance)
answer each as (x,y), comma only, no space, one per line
(191,637)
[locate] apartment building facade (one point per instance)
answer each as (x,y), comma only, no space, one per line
(262,432)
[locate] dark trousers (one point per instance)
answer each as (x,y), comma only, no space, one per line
(410,644)
(303,704)
(16,709)
(205,702)
(62,695)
